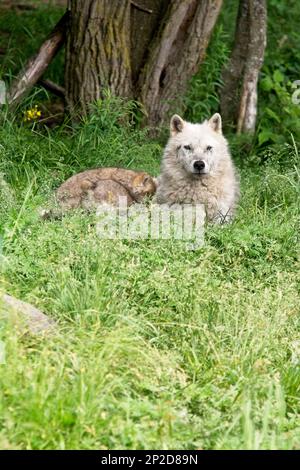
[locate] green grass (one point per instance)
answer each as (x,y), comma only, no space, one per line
(157,347)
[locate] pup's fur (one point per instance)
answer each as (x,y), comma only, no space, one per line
(197,168)
(91,188)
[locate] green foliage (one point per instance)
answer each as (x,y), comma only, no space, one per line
(280,116)
(202,99)
(106,138)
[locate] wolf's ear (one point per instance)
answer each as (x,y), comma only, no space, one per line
(176,125)
(215,123)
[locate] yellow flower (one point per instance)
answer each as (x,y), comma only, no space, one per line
(32,114)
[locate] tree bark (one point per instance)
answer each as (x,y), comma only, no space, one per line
(145,49)
(240,77)
(97,52)
(146,16)
(38,64)
(176,55)
(53,88)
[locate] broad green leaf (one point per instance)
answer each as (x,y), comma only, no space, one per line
(278,76)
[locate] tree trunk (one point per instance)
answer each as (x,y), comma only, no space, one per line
(97,52)
(240,77)
(146,16)
(143,49)
(176,55)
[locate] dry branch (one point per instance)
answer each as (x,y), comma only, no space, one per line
(38,64)
(53,87)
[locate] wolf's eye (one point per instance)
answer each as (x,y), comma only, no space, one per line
(187,147)
(208,148)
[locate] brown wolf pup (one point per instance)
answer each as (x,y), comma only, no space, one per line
(91,188)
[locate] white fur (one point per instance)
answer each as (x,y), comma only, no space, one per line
(215,185)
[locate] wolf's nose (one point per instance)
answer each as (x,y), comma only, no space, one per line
(199,165)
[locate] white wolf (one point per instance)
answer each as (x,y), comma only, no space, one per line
(197,168)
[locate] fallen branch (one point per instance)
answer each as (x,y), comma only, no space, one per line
(139,7)
(53,87)
(26,316)
(38,64)
(23,6)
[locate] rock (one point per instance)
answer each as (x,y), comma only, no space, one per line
(25,315)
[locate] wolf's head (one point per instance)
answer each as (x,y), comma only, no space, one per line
(197,148)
